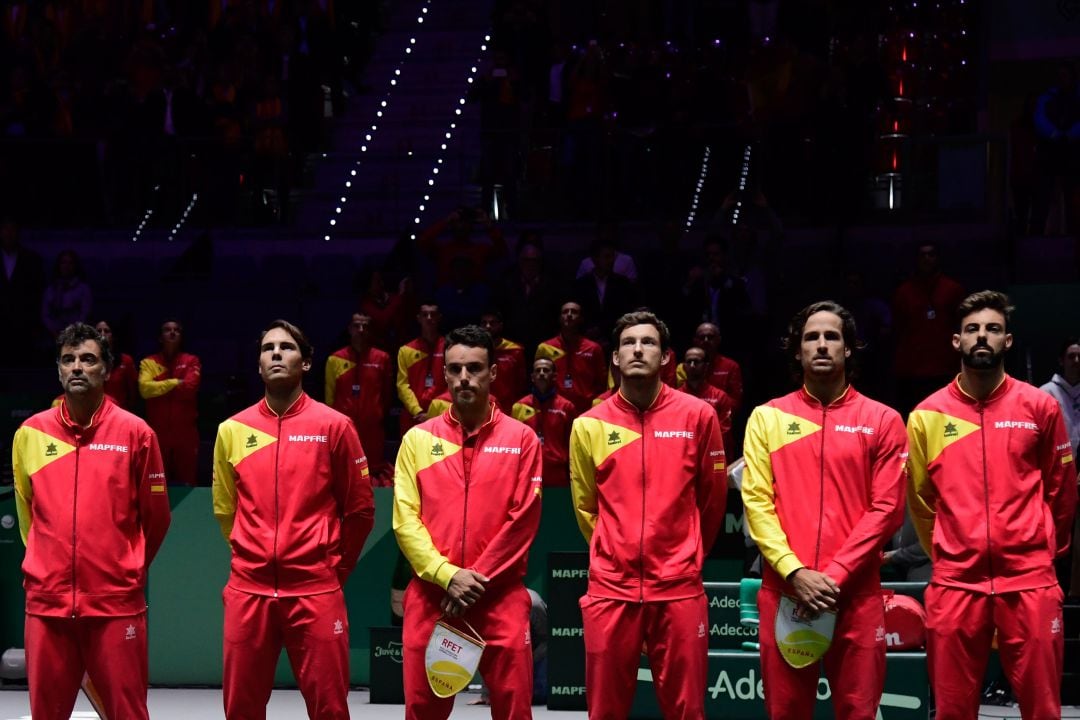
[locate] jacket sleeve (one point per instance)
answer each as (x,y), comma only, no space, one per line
(149,385)
(759,498)
(154,513)
(331,377)
(412,537)
(512,542)
(1059,476)
(886,512)
(355,499)
(224,485)
(921,495)
(24,489)
(583,480)
(404,391)
(711,487)
(192,377)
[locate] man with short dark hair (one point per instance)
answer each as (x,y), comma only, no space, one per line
(169,382)
(550,416)
(509,382)
(823,491)
(469,557)
(122,385)
(358,380)
(420,367)
(722,372)
(695,367)
(649,486)
(294,501)
(992,493)
(580,366)
(93,511)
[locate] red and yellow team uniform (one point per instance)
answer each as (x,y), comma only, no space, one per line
(359,385)
(93,511)
(122,385)
(992,493)
(294,500)
(420,377)
(550,418)
(469,502)
(724,373)
(649,491)
(509,382)
(580,369)
(171,390)
(721,402)
(823,488)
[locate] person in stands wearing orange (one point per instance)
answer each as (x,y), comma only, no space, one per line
(469,557)
(823,491)
(550,415)
(723,372)
(697,384)
(293,497)
(649,487)
(509,383)
(580,365)
(93,511)
(420,368)
(123,383)
(992,493)
(169,382)
(358,385)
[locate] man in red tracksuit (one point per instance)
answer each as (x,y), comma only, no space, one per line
(293,497)
(992,493)
(580,366)
(649,485)
(420,368)
(358,385)
(469,557)
(169,382)
(697,384)
(550,416)
(823,492)
(723,372)
(93,510)
(509,383)
(122,386)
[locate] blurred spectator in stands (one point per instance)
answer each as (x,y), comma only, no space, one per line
(623,264)
(695,366)
(270,169)
(67,297)
(554,113)
(583,144)
(358,383)
(1065,387)
(550,415)
(923,309)
(509,382)
(1057,121)
(420,376)
(463,298)
(169,382)
(529,296)
(498,91)
(906,555)
(605,296)
(21,288)
(385,308)
(580,363)
(1023,154)
(715,295)
(460,224)
(721,371)
(122,385)
(873,321)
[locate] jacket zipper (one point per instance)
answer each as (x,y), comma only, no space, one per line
(74,534)
(986,497)
(467,472)
(641,542)
(821,489)
(277,507)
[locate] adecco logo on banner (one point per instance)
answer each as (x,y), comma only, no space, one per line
(391,650)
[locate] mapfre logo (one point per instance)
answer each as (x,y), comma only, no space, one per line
(668,434)
(502,450)
(854,429)
(1015,425)
(107,447)
(308,438)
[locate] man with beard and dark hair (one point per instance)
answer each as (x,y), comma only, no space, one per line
(992,493)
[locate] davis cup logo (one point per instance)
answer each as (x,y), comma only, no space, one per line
(451,658)
(801,641)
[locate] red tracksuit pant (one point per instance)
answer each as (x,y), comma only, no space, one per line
(676,636)
(111,649)
(854,663)
(1031,640)
(313,629)
(501,617)
(180,454)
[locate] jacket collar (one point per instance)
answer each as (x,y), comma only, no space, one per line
(493,416)
(100,414)
(295,409)
(659,401)
(846,397)
(958,392)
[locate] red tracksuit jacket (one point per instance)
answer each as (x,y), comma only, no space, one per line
(580,369)
(93,511)
(293,497)
(468,502)
(420,377)
(509,382)
(358,385)
(169,403)
(992,487)
(551,420)
(649,491)
(823,486)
